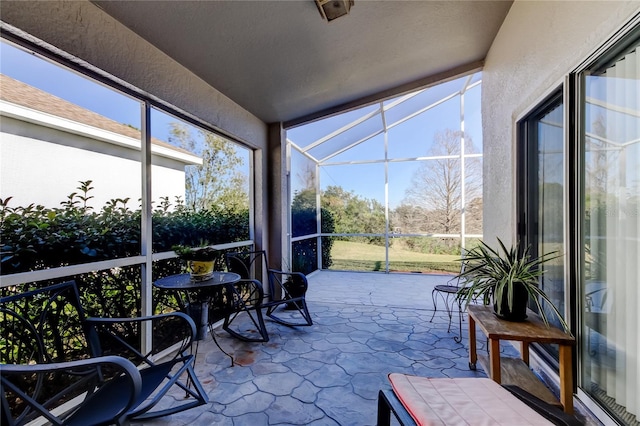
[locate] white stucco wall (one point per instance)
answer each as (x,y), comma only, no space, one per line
(539,43)
(40,165)
(85,31)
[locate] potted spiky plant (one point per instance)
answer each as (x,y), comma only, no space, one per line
(508,277)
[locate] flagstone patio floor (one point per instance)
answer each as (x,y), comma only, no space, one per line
(366,325)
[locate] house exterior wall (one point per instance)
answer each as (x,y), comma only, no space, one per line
(539,43)
(58,160)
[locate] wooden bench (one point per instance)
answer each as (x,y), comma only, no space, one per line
(515,371)
(463,401)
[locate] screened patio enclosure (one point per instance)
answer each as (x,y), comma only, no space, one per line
(392,186)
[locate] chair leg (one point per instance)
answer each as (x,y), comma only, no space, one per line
(384,411)
(245,301)
(305,312)
(458,338)
(449,311)
(301,307)
(199,395)
(258,322)
(435,304)
(445,299)
(388,402)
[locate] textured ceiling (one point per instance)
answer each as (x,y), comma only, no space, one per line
(282,62)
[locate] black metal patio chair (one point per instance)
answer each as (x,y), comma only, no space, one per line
(448,293)
(65,368)
(286,290)
(247,297)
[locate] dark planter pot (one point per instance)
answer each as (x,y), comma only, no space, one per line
(200,270)
(520,301)
(295,288)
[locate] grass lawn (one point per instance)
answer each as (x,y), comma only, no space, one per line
(367,257)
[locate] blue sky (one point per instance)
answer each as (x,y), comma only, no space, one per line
(411,139)
(68,85)
(408,140)
(78,89)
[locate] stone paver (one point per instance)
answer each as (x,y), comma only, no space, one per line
(366,325)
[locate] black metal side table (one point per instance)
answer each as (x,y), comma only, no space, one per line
(192,294)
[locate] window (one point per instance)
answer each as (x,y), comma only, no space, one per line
(208,179)
(71,162)
(399,181)
(598,193)
(75,162)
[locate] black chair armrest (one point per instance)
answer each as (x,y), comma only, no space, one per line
(279,277)
(99,409)
(285,273)
(550,412)
(189,322)
(98,325)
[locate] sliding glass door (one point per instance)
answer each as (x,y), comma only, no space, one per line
(541,186)
(581,197)
(611,240)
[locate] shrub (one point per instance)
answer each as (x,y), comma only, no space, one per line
(304,252)
(36,238)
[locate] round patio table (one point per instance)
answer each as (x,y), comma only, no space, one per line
(193,296)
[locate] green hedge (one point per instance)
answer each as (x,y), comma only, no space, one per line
(305,252)
(36,238)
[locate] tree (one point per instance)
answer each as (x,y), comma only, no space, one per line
(217,183)
(473,215)
(409,218)
(303,205)
(436,190)
(353,214)
(307,177)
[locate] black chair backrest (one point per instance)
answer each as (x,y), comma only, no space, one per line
(247,264)
(49,319)
(42,326)
(252,265)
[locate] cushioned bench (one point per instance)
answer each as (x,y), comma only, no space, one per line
(465,401)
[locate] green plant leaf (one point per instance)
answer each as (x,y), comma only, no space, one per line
(491,273)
